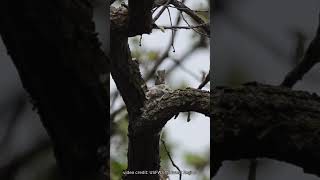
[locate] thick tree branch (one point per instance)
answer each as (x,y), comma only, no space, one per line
(140,17)
(265,121)
(124,70)
(131,86)
(144,137)
(143,149)
(158,112)
(55,49)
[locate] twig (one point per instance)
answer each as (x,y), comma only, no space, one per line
(181,27)
(172,162)
(194,29)
(180,6)
(185,69)
(311,57)
(184,58)
(164,55)
(161,11)
(194,48)
(173,32)
(205,81)
(198,11)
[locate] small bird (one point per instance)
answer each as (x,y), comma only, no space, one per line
(160,88)
(160,77)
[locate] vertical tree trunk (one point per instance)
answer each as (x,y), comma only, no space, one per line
(54,47)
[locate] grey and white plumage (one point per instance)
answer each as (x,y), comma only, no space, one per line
(158,91)
(160,88)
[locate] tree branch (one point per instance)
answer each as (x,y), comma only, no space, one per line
(124,70)
(144,137)
(310,59)
(55,49)
(143,149)
(257,120)
(131,86)
(140,17)
(180,6)
(156,113)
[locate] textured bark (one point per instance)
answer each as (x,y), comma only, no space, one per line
(157,112)
(130,84)
(257,120)
(140,17)
(54,47)
(146,118)
(124,70)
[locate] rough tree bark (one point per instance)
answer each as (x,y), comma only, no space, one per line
(57,54)
(58,58)
(258,120)
(146,118)
(255,120)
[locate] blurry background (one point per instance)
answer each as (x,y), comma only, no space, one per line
(186,64)
(25,150)
(262,40)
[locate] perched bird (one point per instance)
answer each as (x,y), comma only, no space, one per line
(160,88)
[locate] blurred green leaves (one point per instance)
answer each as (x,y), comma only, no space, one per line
(142,54)
(116,169)
(197,161)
